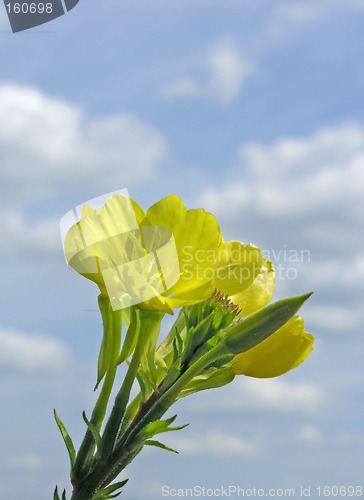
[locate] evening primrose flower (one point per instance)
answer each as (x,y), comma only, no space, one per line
(165,258)
(286,349)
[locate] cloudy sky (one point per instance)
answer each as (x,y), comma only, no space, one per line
(251,109)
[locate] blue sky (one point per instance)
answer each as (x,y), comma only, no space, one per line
(250,109)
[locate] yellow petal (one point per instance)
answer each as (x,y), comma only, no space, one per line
(115,247)
(259,293)
(237,266)
(119,216)
(287,348)
(197,237)
(105,238)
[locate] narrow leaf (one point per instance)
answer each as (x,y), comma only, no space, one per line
(152,442)
(67,440)
(106,492)
(159,426)
(145,388)
(93,430)
(64,495)
(55,495)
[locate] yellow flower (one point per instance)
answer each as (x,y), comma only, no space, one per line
(287,348)
(169,257)
(165,258)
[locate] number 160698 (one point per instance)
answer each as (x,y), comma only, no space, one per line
(29,8)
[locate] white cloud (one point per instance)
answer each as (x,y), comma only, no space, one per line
(31,352)
(311,187)
(333,317)
(51,146)
(249,394)
(297,176)
(4,22)
(309,434)
(287,16)
(31,462)
(213,443)
(299,12)
(226,73)
(279,395)
(22,236)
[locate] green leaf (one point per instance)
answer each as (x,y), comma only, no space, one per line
(152,442)
(93,430)
(250,332)
(64,495)
(209,379)
(67,440)
(55,495)
(158,427)
(106,492)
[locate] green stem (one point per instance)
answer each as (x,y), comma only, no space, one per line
(170,396)
(87,447)
(122,398)
(129,445)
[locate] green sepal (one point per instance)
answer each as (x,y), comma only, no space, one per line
(251,331)
(195,314)
(179,342)
(202,330)
(110,345)
(175,365)
(93,430)
(106,344)
(158,444)
(196,336)
(67,440)
(151,321)
(172,375)
(106,492)
(179,326)
(131,336)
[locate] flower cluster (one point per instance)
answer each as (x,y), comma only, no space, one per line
(102,242)
(146,265)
